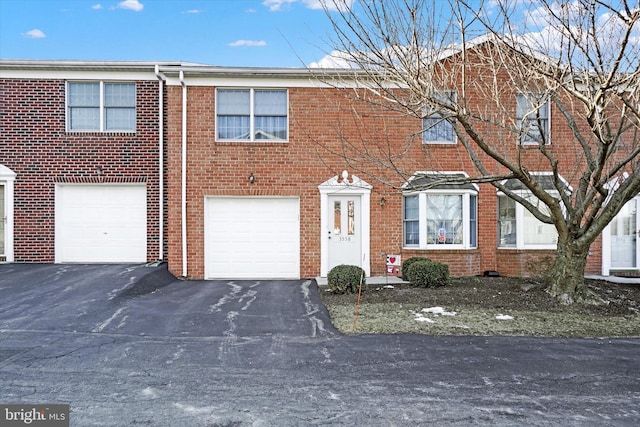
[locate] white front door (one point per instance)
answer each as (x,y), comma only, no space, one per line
(624,228)
(7,179)
(3,220)
(344,234)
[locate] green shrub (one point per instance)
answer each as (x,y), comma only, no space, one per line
(427,273)
(345,279)
(407,263)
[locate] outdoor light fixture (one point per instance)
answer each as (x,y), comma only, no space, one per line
(99,171)
(252,179)
(383,202)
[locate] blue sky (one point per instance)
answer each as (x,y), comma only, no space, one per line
(261,33)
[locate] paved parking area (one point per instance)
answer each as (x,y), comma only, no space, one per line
(127,345)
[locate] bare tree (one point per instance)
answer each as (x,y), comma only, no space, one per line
(575,61)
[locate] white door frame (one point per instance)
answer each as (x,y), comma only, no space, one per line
(7,179)
(351,186)
(606,242)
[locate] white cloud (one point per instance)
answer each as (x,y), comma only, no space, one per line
(96,6)
(336,59)
(277,5)
(134,5)
(192,11)
(34,34)
(252,43)
(341,5)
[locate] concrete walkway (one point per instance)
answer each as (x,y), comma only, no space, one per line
(616,279)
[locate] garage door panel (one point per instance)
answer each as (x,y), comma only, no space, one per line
(102,223)
(252,238)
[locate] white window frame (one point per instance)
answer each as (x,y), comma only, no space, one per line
(523,139)
(102,107)
(422,220)
(520,229)
(428,114)
(252,116)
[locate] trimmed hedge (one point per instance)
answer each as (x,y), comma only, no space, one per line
(407,263)
(345,279)
(427,273)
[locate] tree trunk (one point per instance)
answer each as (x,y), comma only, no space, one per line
(567,279)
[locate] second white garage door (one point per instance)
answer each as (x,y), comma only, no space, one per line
(252,238)
(101,223)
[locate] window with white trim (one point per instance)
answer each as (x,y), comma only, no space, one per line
(518,228)
(252,115)
(436,129)
(442,217)
(532,119)
(101,107)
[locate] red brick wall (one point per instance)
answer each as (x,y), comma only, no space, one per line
(35,145)
(326,125)
(319,120)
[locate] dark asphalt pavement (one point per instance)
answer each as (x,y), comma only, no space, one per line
(130,345)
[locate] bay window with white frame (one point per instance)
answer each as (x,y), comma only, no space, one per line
(518,228)
(97,106)
(251,115)
(443,217)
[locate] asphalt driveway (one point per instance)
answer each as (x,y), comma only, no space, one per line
(127,345)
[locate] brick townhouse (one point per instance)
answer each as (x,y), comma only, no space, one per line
(80,162)
(247,173)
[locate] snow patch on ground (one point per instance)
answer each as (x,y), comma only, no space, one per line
(149,392)
(439,310)
(503,317)
(194,410)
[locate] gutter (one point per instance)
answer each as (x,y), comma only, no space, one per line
(183,213)
(161,79)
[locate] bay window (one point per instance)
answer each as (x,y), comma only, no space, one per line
(440,217)
(520,229)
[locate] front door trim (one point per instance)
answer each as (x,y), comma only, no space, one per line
(7,179)
(607,243)
(352,186)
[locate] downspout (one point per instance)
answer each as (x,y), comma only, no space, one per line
(161,79)
(184,175)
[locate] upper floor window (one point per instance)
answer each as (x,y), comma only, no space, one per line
(436,129)
(101,107)
(532,119)
(251,115)
(440,217)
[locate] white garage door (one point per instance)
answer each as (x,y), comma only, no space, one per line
(101,223)
(252,238)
